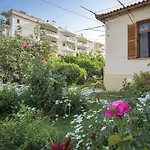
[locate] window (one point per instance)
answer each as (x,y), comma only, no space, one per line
(144,40)
(18,20)
(139,40)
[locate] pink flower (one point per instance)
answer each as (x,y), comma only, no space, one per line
(42,61)
(21,58)
(118,108)
(60,55)
(26,46)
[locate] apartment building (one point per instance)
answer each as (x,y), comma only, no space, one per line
(67,42)
(82,44)
(63,40)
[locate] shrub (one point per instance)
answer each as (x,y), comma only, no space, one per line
(88,124)
(139,87)
(44,88)
(26,130)
(73,102)
(72,72)
(138,97)
(8,99)
(93,65)
(14,48)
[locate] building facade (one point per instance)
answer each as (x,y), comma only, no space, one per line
(65,41)
(127,43)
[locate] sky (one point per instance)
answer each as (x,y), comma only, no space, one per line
(74,23)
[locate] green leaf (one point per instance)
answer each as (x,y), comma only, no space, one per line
(127,138)
(114,139)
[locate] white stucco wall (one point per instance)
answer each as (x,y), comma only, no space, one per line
(117,64)
(27,25)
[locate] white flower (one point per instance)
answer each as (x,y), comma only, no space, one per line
(78,137)
(69,104)
(66,115)
(33,109)
(57,102)
(72,122)
(103,128)
(90,126)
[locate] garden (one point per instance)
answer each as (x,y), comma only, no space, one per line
(58,102)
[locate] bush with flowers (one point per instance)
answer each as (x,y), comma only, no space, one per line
(138,95)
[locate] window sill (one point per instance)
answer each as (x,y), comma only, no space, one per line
(148,58)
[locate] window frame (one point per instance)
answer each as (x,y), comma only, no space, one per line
(138,36)
(18,21)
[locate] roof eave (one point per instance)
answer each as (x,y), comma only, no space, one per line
(108,16)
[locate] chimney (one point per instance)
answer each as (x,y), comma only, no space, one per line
(53,22)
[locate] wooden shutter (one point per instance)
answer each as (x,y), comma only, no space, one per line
(132,41)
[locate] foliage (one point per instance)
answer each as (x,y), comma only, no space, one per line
(72,72)
(138,97)
(92,64)
(26,130)
(117,110)
(8,99)
(139,87)
(70,103)
(89,123)
(45,87)
(11,48)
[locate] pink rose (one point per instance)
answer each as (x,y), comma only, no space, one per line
(21,58)
(118,108)
(26,46)
(42,61)
(60,55)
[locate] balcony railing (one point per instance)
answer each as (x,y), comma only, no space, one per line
(51,34)
(54,44)
(5,22)
(69,39)
(80,44)
(67,48)
(82,50)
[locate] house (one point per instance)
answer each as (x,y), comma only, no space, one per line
(127,43)
(65,41)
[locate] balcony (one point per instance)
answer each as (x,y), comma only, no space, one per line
(82,50)
(69,39)
(5,22)
(51,34)
(82,45)
(69,49)
(54,44)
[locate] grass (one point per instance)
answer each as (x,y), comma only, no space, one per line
(63,125)
(108,95)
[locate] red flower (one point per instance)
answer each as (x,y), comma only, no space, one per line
(26,46)
(60,55)
(93,136)
(59,146)
(21,58)
(42,61)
